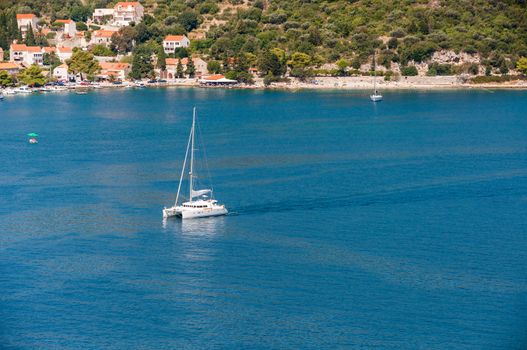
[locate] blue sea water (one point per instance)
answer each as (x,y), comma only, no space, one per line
(397,225)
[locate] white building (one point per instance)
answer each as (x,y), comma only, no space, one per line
(117,70)
(61,72)
(64,53)
(172,42)
(171,67)
(122,14)
(101,37)
(69,29)
(24,20)
(126,12)
(99,15)
(28,55)
(10,67)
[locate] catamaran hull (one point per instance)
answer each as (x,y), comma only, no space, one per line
(376,98)
(194,214)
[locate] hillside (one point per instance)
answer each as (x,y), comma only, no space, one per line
(313,33)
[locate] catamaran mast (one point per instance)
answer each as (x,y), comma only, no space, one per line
(183,168)
(192,152)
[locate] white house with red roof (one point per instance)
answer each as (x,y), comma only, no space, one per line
(173,42)
(171,67)
(28,55)
(217,79)
(102,37)
(24,20)
(61,72)
(69,27)
(117,70)
(64,53)
(127,12)
(9,67)
(121,15)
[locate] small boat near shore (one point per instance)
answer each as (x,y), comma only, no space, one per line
(23,90)
(203,206)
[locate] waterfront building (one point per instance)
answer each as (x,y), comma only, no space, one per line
(171,67)
(61,72)
(10,67)
(117,70)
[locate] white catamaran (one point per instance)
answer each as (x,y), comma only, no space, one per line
(203,206)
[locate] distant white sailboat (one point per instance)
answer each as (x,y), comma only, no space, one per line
(376,97)
(202,207)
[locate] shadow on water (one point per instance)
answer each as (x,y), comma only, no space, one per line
(456,190)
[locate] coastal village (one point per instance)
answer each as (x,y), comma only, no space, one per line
(83,55)
(53,62)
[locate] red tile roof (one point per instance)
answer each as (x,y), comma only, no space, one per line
(114,65)
(24,16)
(23,47)
(101,33)
(214,77)
(64,49)
(8,65)
(174,37)
(64,21)
(126,4)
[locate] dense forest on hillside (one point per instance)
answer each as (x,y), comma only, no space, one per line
(313,32)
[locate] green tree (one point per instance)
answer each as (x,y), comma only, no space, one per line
(81,26)
(342,64)
(5,79)
(80,13)
(269,64)
(123,41)
(188,20)
(214,67)
(521,65)
(83,63)
(409,71)
(179,70)
(30,36)
(191,69)
(299,63)
(51,60)
(101,50)
(32,76)
(161,58)
(142,66)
